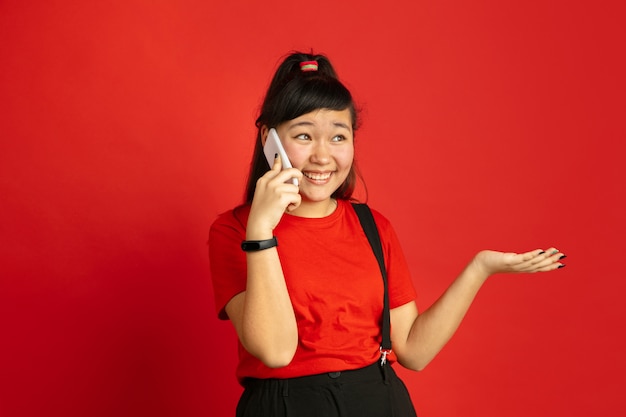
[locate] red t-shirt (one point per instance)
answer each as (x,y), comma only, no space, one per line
(333,280)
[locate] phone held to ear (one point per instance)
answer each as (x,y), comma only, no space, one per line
(273,147)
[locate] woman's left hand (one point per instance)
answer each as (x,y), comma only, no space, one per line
(493,262)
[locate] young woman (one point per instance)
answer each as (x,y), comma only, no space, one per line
(293,271)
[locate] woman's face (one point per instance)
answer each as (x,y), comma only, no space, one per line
(321,145)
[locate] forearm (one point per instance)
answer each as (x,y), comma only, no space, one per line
(418,338)
(268,325)
(432,329)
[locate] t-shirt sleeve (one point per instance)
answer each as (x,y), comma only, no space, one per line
(401,288)
(227,260)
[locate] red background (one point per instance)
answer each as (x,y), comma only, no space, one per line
(126,127)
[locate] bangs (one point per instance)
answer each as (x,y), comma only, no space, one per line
(304,95)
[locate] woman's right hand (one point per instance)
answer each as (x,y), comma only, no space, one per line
(272,197)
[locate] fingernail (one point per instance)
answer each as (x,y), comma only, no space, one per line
(542,252)
(561,266)
(562,256)
(275,155)
(555,251)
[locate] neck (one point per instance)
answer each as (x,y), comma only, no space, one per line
(315,209)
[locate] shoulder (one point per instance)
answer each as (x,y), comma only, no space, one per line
(235,220)
(385,229)
(237,215)
(382,222)
(380,219)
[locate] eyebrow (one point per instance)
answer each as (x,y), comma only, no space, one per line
(341,124)
(306,123)
(300,124)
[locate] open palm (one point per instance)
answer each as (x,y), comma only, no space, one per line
(538,260)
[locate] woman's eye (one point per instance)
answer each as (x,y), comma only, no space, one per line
(338,138)
(303,136)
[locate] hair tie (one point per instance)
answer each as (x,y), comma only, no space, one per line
(308,66)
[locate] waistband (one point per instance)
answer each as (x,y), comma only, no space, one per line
(373,372)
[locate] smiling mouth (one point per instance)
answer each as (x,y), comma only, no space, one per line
(317,176)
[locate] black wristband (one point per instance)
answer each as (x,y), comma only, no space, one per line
(257,245)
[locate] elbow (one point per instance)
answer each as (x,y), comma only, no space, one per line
(273,349)
(414,364)
(274,356)
(418,367)
(276,359)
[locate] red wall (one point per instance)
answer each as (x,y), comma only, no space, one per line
(126,127)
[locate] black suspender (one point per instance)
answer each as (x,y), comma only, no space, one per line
(371,231)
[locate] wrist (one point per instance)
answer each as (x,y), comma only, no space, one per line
(259,233)
(478,268)
(258,245)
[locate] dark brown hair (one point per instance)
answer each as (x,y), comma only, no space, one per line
(291,94)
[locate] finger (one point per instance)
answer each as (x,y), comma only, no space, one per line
(548,261)
(289,173)
(295,204)
(555,257)
(543,255)
(522,261)
(529,256)
(278,164)
(292,207)
(536,260)
(550,267)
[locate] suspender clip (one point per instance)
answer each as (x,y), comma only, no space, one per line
(383,355)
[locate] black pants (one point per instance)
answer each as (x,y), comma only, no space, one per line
(373,391)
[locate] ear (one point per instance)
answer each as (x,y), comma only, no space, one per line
(264,132)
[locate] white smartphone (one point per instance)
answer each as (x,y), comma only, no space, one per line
(273,147)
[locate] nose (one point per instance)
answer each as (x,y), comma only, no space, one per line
(320,153)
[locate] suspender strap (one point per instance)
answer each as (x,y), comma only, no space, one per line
(371,231)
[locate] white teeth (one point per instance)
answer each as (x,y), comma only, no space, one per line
(317,177)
